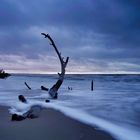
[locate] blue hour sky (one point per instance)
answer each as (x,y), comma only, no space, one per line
(99,36)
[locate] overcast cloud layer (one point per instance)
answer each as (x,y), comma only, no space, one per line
(99,36)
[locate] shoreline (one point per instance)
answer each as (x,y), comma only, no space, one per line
(51,125)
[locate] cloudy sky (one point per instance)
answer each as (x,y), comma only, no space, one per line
(99,36)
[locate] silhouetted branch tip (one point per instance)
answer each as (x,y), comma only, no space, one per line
(45,35)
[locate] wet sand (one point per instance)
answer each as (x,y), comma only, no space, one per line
(51,125)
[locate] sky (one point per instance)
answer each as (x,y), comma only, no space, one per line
(99,36)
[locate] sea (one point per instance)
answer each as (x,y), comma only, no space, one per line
(112,106)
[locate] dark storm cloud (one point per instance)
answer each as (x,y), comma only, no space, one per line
(104,31)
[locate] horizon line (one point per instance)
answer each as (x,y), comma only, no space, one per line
(43,73)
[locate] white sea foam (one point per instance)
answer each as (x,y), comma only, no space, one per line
(117,131)
(121,133)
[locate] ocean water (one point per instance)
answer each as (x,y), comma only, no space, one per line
(113,105)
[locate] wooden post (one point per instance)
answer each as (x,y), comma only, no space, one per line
(92,85)
(27,86)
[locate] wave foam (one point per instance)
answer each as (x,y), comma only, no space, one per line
(118,132)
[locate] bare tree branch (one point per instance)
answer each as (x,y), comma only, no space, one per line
(53,90)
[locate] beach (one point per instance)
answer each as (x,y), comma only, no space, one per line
(50,125)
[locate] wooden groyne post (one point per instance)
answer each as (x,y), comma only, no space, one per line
(92,85)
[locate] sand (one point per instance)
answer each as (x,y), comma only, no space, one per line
(51,125)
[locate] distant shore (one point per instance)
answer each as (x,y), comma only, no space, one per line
(51,125)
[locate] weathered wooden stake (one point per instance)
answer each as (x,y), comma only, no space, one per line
(27,85)
(92,85)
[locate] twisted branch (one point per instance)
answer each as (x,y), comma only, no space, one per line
(55,87)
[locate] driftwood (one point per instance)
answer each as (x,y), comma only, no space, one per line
(92,85)
(44,88)
(54,89)
(32,113)
(27,86)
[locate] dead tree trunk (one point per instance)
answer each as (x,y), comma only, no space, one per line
(53,90)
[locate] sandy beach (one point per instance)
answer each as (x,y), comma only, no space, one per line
(51,125)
